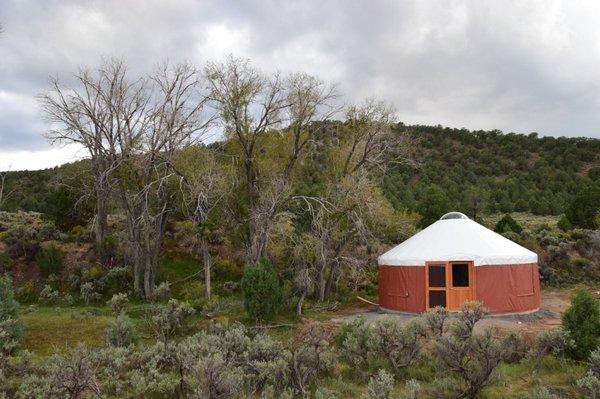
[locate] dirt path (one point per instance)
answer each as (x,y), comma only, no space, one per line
(554,303)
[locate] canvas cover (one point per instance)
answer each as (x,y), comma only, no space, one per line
(501,288)
(457,239)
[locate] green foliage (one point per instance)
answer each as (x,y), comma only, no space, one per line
(433,205)
(27,293)
(169,319)
(584,208)
(262,292)
(11,328)
(508,224)
(121,332)
(50,260)
(590,383)
(594,173)
(564,224)
(380,386)
(118,303)
(582,321)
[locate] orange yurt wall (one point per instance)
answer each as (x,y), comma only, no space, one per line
(402,288)
(508,288)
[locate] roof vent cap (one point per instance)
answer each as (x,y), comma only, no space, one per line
(454,215)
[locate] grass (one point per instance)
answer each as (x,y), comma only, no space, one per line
(50,329)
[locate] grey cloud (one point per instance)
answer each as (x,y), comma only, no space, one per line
(514,66)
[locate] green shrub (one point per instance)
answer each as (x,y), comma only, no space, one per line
(27,292)
(506,224)
(583,209)
(262,291)
(227,270)
(50,260)
(6,261)
(11,328)
(582,320)
(121,332)
(564,224)
(581,263)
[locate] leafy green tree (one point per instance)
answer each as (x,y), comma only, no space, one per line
(434,203)
(11,327)
(584,207)
(582,320)
(506,224)
(50,260)
(262,291)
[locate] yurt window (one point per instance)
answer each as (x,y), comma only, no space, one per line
(437,275)
(460,274)
(437,298)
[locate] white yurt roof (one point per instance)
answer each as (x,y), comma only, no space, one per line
(456,237)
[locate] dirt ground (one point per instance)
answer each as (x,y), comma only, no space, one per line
(554,303)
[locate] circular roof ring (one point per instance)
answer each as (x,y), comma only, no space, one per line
(454,215)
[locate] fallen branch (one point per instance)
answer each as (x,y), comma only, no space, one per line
(367,301)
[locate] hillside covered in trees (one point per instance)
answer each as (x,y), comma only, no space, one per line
(476,172)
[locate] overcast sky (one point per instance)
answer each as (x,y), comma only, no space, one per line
(517,66)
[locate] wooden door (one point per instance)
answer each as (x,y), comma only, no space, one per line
(449,284)
(461,284)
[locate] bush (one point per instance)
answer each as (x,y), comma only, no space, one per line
(583,209)
(400,343)
(11,328)
(48,296)
(380,386)
(541,393)
(27,293)
(471,359)
(121,332)
(507,224)
(550,342)
(118,303)
(262,292)
(168,319)
(161,292)
(582,320)
(435,320)
(359,343)
(50,260)
(590,383)
(88,293)
(564,224)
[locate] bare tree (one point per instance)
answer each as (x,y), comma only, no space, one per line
(251,105)
(173,118)
(95,115)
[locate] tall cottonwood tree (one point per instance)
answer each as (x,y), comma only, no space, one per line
(172,118)
(252,105)
(92,114)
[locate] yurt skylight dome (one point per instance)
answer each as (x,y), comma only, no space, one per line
(454,215)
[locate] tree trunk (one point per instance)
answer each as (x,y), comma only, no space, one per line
(207,265)
(299,303)
(102,195)
(331,279)
(321,282)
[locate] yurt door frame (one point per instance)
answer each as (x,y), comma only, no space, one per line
(449,283)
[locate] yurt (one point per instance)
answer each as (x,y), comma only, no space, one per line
(454,260)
